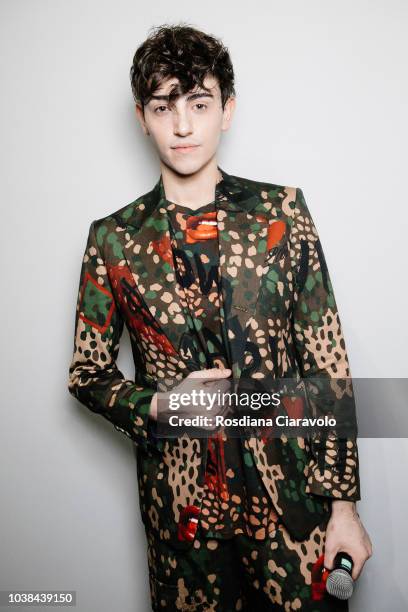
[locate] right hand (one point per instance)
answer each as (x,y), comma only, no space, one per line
(212,381)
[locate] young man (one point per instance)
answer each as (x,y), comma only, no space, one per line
(217,277)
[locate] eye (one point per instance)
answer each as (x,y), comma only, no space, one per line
(201,105)
(160,109)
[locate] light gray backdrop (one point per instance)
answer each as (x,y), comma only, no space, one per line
(322,105)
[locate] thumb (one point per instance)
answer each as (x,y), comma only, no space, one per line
(210,374)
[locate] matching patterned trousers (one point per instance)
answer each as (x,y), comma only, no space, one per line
(241,573)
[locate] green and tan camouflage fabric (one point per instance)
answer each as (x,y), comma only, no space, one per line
(281,317)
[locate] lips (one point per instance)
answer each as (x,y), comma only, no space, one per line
(185,148)
(202,227)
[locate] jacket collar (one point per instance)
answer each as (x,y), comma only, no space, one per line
(232,193)
(243,211)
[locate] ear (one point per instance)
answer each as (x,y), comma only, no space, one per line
(141,118)
(228,113)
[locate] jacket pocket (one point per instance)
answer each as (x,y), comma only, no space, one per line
(169,597)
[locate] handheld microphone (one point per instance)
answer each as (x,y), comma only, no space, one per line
(339,582)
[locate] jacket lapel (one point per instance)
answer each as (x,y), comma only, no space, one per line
(242,250)
(242,237)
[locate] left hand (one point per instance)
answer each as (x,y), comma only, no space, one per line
(346,533)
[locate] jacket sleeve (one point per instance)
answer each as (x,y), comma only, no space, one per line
(94,378)
(322,358)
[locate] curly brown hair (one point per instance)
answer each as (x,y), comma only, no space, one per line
(183,52)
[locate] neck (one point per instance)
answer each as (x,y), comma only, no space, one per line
(191,190)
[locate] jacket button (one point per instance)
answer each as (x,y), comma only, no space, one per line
(188,523)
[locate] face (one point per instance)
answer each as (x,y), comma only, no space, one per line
(186,134)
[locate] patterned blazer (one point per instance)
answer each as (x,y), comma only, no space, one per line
(282,320)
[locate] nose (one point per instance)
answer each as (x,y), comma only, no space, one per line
(182,125)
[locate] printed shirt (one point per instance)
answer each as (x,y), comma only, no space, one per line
(235,499)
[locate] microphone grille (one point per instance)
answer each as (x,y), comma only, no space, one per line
(340,584)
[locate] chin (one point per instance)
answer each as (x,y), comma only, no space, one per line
(187,166)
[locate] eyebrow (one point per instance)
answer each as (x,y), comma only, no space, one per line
(193,96)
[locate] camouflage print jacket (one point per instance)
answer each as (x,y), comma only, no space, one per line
(280,311)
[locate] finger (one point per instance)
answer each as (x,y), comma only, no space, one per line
(212,386)
(223,406)
(210,374)
(214,397)
(358,566)
(217,385)
(193,411)
(329,556)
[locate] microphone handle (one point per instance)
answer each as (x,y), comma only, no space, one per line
(343,561)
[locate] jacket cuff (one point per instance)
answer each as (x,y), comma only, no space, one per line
(334,470)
